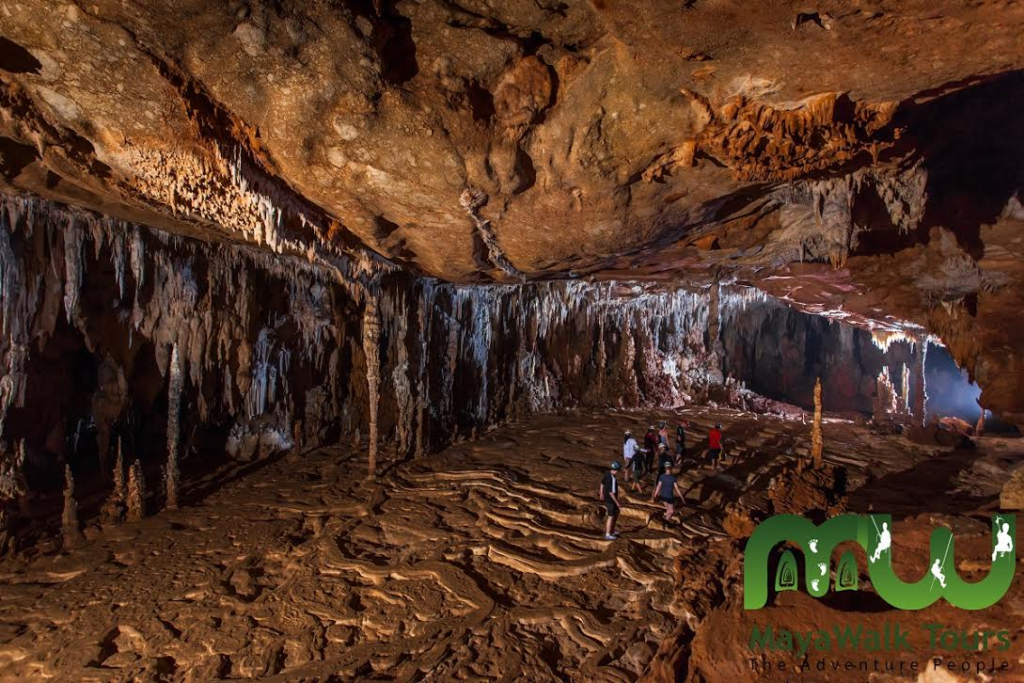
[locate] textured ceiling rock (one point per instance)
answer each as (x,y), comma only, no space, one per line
(853,157)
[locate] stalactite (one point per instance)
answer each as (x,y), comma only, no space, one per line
(71,531)
(817,442)
(371,348)
(73,238)
(136,493)
(171,473)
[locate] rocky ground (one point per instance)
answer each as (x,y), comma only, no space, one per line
(484,562)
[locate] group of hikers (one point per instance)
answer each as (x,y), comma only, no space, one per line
(640,466)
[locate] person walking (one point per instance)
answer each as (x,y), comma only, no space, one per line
(665,459)
(681,439)
(650,448)
(629,451)
(715,444)
(663,433)
(666,491)
(637,473)
(609,493)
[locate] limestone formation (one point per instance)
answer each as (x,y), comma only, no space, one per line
(371,348)
(885,397)
(113,511)
(1011,498)
(817,442)
(172,477)
(544,141)
(12,491)
(920,390)
(71,530)
(423,220)
(136,493)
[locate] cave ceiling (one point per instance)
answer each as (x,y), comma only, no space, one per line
(857,159)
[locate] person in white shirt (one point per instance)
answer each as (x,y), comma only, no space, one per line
(629,449)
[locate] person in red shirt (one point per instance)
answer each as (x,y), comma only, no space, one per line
(715,444)
(650,446)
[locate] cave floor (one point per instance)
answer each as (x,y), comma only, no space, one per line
(484,561)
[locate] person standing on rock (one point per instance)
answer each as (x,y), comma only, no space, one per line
(666,491)
(629,451)
(681,439)
(650,447)
(609,493)
(665,459)
(663,433)
(715,444)
(637,473)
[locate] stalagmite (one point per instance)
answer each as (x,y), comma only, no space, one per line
(71,532)
(920,391)
(136,492)
(817,443)
(114,508)
(371,347)
(171,473)
(12,491)
(904,400)
(885,397)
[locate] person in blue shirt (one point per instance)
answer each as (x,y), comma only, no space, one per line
(666,491)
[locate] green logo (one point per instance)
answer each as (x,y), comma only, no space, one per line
(873,534)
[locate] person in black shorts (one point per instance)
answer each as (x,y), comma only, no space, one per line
(609,493)
(666,491)
(636,468)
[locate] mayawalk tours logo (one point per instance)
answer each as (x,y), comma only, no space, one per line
(874,534)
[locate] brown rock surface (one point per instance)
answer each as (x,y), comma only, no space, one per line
(860,160)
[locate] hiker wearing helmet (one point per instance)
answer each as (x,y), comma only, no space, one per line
(681,439)
(663,433)
(609,493)
(650,446)
(629,451)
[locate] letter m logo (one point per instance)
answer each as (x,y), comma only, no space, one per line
(817,542)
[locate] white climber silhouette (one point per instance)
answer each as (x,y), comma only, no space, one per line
(937,573)
(884,542)
(1004,543)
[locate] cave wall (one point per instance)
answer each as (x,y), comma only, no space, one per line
(278,352)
